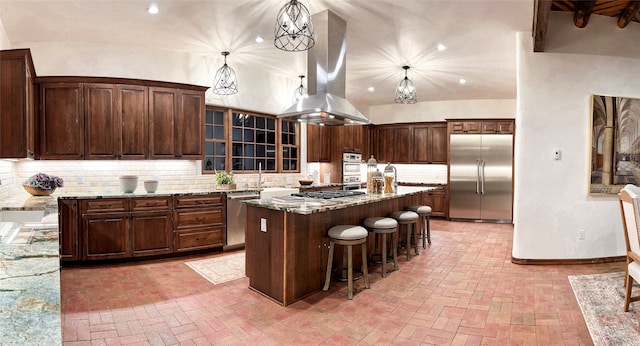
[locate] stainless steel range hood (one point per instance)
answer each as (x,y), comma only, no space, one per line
(326,64)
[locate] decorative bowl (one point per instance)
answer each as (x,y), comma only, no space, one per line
(305,182)
(151,185)
(34,191)
(128,183)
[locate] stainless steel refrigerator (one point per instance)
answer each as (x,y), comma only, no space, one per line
(481,175)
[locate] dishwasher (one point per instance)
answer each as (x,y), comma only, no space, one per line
(236,218)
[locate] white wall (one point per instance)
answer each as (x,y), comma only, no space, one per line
(440,110)
(554,89)
(4,39)
(100,60)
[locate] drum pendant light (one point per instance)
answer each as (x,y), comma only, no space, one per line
(225,81)
(294,29)
(406,91)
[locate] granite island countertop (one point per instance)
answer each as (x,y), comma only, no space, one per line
(314,205)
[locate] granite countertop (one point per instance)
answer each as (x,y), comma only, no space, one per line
(142,193)
(408,183)
(314,205)
(30,284)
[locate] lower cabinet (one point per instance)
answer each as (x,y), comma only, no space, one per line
(199,221)
(106,236)
(151,233)
(436,199)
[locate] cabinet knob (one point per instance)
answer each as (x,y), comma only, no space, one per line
(200,218)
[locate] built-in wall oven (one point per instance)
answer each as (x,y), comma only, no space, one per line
(351,165)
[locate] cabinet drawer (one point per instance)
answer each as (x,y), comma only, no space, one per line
(151,203)
(107,204)
(198,239)
(199,200)
(198,217)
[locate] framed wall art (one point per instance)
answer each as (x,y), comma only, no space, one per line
(615,143)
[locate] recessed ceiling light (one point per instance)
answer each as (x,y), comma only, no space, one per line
(462,81)
(153,9)
(371,89)
(441,47)
(259,39)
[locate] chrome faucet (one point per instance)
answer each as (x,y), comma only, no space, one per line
(260,181)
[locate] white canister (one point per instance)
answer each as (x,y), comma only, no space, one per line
(327,178)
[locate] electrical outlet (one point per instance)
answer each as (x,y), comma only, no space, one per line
(581,234)
(80,178)
(263,224)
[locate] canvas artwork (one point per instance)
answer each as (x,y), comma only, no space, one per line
(615,143)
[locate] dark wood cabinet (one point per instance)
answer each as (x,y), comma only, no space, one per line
(199,221)
(394,144)
(163,107)
(430,143)
(473,126)
(437,199)
(132,112)
(68,214)
(190,125)
(105,228)
(102,126)
(151,233)
(17,114)
(318,143)
(61,121)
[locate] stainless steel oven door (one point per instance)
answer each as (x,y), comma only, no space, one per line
(350,168)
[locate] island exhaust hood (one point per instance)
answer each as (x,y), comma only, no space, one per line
(326,64)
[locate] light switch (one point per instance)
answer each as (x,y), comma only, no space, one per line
(556,154)
(263,224)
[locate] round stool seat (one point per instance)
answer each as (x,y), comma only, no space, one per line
(347,232)
(405,216)
(420,209)
(380,222)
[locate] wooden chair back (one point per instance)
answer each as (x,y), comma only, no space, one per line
(629,198)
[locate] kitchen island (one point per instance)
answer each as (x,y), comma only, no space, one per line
(287,244)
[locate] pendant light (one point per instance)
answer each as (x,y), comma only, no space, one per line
(406,91)
(225,82)
(294,29)
(300,92)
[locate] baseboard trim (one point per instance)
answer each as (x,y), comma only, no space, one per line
(525,261)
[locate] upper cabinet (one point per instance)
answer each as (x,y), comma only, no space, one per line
(430,143)
(486,126)
(318,143)
(61,121)
(410,143)
(109,118)
(17,113)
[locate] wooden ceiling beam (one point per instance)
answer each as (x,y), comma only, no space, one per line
(583,12)
(628,14)
(541,12)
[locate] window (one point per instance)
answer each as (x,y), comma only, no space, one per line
(290,161)
(253,142)
(214,143)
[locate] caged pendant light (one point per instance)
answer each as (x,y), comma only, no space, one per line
(300,92)
(294,29)
(406,91)
(225,82)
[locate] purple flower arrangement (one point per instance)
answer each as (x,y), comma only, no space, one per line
(44,182)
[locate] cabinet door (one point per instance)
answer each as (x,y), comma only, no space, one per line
(385,142)
(401,145)
(16,111)
(313,143)
(190,126)
(133,113)
(105,236)
(163,107)
(151,233)
(438,144)
(439,204)
(61,121)
(68,223)
(505,126)
(102,133)
(421,141)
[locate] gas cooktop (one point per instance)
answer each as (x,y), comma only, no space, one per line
(329,194)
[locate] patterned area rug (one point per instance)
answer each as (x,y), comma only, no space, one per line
(220,269)
(601,299)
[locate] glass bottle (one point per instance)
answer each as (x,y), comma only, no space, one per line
(378,182)
(390,177)
(372,167)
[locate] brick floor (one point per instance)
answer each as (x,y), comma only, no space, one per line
(462,290)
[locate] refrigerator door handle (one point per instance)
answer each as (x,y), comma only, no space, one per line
(482,178)
(478,176)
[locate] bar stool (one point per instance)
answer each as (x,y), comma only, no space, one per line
(381,226)
(348,235)
(409,220)
(425,232)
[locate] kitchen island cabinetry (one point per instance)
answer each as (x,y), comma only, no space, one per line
(17,113)
(199,221)
(287,247)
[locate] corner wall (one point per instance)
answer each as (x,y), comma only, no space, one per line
(552,202)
